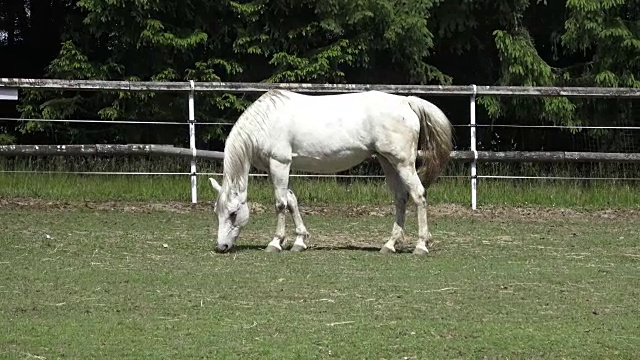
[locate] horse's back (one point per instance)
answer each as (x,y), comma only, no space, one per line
(330,133)
(343,118)
(350,109)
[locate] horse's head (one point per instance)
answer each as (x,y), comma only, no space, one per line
(233,213)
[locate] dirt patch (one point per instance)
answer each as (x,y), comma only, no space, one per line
(485,212)
(445,210)
(125,206)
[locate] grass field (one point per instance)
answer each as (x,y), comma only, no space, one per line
(593,194)
(547,193)
(137,280)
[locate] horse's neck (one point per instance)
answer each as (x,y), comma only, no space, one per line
(243,140)
(237,162)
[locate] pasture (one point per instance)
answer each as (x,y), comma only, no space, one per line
(140,280)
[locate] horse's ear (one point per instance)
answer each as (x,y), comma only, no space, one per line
(215,184)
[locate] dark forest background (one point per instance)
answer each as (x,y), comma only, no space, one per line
(490,42)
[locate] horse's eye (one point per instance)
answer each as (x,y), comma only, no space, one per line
(232,216)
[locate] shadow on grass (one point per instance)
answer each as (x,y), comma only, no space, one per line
(357,248)
(346,247)
(249,247)
(404,250)
(254,247)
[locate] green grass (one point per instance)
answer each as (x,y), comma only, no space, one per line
(548,284)
(62,187)
(549,193)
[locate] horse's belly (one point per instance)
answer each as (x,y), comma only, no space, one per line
(329,163)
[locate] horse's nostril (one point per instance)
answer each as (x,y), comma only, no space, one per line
(223,247)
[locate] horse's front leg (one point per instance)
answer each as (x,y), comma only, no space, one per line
(279,173)
(301,230)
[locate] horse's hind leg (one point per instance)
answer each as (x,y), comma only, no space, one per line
(400,196)
(279,173)
(407,173)
(301,230)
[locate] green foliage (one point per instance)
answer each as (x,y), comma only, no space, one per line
(6,139)
(502,42)
(522,65)
(326,40)
(313,40)
(602,40)
(610,30)
(142,40)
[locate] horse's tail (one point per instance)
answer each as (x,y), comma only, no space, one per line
(434,141)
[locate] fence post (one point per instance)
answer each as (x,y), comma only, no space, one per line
(192,142)
(474,163)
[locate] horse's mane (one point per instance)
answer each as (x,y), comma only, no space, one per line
(238,150)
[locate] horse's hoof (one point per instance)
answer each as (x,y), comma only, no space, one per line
(420,251)
(298,248)
(387,250)
(272,249)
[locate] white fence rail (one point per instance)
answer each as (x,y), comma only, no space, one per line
(10,85)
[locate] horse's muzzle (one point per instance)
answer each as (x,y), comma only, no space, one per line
(223,248)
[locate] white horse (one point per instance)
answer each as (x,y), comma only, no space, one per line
(284,130)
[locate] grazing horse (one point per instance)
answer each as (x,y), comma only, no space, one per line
(284,130)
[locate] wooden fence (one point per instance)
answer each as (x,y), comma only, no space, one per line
(9,85)
(247,87)
(168,150)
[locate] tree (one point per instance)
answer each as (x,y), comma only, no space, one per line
(596,44)
(508,42)
(324,40)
